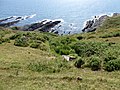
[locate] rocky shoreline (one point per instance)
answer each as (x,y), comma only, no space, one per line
(49,25)
(97,21)
(44,25)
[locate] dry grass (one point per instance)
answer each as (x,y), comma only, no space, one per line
(20,78)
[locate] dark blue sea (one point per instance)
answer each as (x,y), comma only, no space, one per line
(73,12)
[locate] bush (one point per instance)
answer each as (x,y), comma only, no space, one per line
(95,63)
(112,65)
(49,67)
(87,49)
(34,45)
(79,63)
(38,67)
(6,40)
(67,40)
(80,37)
(15,28)
(64,50)
(43,47)
(23,42)
(14,36)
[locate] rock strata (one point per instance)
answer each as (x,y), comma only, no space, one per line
(92,25)
(97,21)
(45,26)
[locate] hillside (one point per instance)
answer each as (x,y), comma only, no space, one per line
(33,60)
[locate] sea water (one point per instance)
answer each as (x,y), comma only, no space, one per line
(73,12)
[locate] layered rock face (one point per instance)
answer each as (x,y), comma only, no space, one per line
(44,25)
(9,21)
(92,25)
(97,21)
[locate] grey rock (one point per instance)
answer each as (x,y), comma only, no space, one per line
(9,21)
(115,14)
(68,58)
(2,20)
(97,21)
(92,25)
(44,26)
(8,24)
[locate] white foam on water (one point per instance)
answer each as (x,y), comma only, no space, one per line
(33,15)
(59,20)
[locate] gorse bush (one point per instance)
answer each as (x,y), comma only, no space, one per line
(62,46)
(112,65)
(38,67)
(17,35)
(64,50)
(79,63)
(87,49)
(43,47)
(80,37)
(34,40)
(95,63)
(4,40)
(49,67)
(34,45)
(23,42)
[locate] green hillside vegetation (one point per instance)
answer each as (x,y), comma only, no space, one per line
(33,60)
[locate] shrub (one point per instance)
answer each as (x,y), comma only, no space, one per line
(6,40)
(34,45)
(64,50)
(87,49)
(17,35)
(67,40)
(112,65)
(38,67)
(95,63)
(23,42)
(49,67)
(80,37)
(79,63)
(15,28)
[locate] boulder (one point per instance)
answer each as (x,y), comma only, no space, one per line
(115,14)
(68,58)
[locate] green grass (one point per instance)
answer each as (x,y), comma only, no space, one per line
(40,66)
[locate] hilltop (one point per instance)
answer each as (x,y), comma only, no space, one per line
(33,60)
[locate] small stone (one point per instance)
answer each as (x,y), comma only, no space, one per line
(79,78)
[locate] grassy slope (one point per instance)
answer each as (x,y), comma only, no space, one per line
(15,75)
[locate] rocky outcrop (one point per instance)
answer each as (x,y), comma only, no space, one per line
(45,26)
(8,24)
(9,21)
(115,14)
(97,21)
(2,20)
(92,25)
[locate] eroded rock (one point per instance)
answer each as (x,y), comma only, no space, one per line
(92,25)
(44,26)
